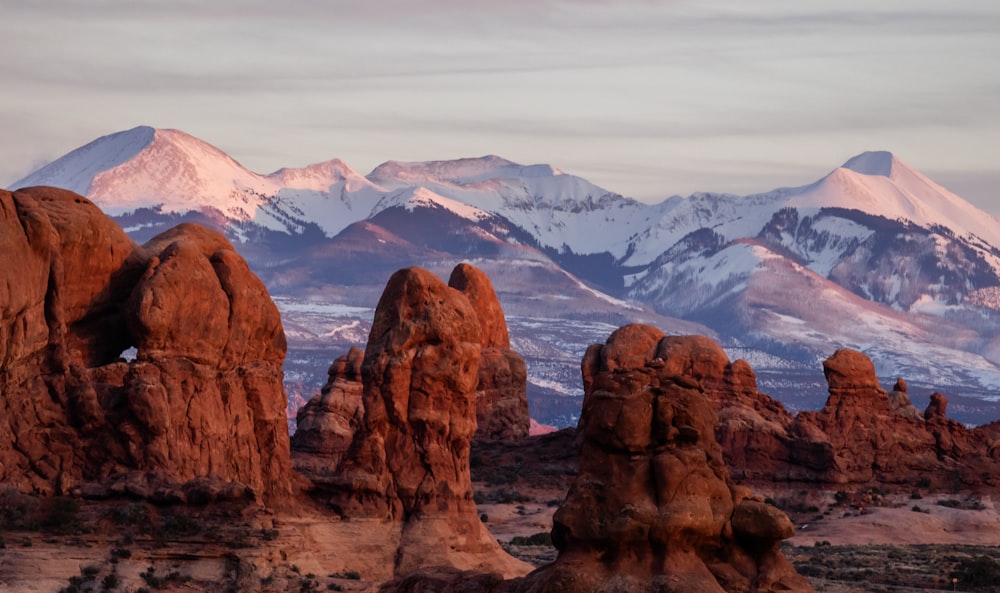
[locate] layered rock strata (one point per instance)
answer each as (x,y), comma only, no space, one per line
(134,369)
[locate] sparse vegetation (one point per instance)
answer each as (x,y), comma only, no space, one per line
(62,517)
(132,515)
(350,575)
(542,538)
(506,496)
(121,553)
(981,572)
(897,568)
(502,476)
(149,576)
(174,524)
(18,511)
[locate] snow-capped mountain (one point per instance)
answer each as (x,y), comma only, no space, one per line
(873,256)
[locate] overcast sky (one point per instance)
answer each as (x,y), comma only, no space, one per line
(645,98)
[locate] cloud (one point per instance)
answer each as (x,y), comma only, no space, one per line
(639,86)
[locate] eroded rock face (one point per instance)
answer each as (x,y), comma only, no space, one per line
(653,508)
(752,427)
(501,393)
(865,435)
(325,426)
(409,459)
(202,399)
(862,435)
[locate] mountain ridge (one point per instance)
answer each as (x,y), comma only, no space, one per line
(880,245)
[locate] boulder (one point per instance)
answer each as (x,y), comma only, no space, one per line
(201,395)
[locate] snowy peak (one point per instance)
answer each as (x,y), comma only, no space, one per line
(420,197)
(148,167)
(880,184)
(321,177)
(452,171)
(76,170)
(178,172)
(457,172)
(879,162)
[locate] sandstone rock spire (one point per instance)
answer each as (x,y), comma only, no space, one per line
(501,393)
(653,508)
(409,460)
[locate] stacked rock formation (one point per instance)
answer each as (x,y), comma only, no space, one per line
(408,462)
(202,402)
(862,435)
(653,508)
(501,394)
(325,426)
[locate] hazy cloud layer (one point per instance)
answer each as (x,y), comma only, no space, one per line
(646,98)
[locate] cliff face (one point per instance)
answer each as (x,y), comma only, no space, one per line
(202,399)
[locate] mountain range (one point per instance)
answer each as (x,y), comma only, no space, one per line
(873,256)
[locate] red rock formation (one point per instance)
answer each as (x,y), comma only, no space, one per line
(862,436)
(476,286)
(753,427)
(409,460)
(653,508)
(937,409)
(325,426)
(501,394)
(203,398)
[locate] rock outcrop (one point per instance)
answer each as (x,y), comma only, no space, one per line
(501,394)
(200,403)
(408,462)
(327,423)
(653,508)
(862,435)
(325,426)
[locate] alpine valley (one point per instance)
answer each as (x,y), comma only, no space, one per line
(874,256)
